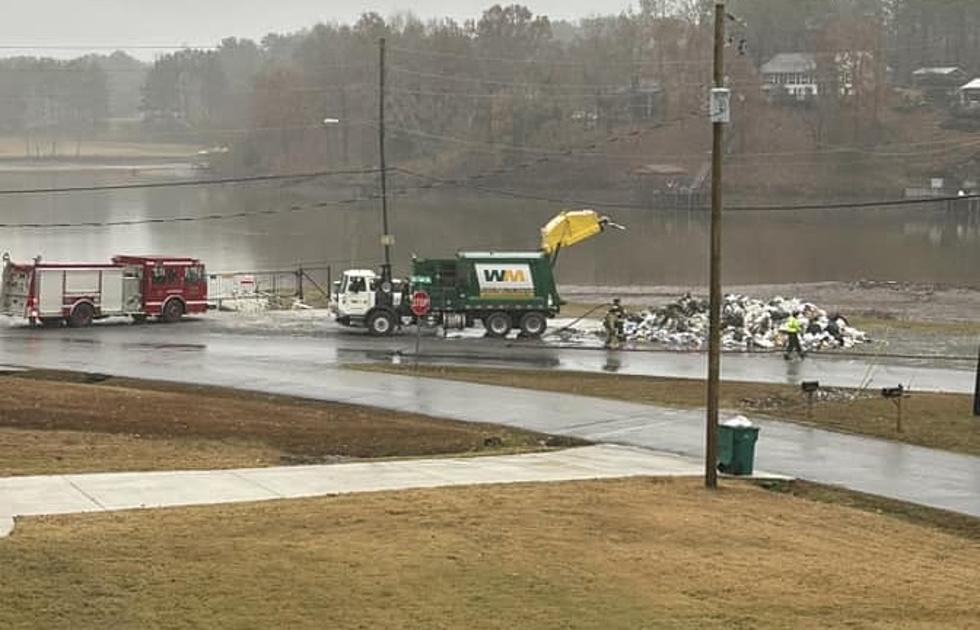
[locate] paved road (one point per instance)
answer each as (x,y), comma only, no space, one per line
(331,344)
(70,494)
(308,367)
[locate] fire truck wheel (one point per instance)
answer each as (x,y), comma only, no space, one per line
(81,316)
(533,324)
(381,323)
(497,324)
(172,311)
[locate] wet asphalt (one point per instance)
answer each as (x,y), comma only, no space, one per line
(325,343)
(310,365)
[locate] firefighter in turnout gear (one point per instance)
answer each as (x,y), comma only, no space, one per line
(793,329)
(613,323)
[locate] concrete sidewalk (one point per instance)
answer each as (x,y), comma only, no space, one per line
(70,494)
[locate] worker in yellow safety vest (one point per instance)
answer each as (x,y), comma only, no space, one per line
(793,329)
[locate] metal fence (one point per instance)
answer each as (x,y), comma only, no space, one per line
(272,289)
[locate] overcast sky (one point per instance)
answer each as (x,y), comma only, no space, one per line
(27,26)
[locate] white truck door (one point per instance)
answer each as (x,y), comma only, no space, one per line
(356,298)
(50,292)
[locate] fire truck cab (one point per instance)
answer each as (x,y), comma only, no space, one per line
(77,293)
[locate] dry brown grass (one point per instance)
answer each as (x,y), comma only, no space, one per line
(613,554)
(30,452)
(942,421)
(57,423)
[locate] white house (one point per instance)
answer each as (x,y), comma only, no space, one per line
(970,95)
(793,73)
(797,74)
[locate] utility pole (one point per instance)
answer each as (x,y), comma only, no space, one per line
(386,238)
(719,115)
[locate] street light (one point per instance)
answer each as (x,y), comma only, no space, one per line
(331,121)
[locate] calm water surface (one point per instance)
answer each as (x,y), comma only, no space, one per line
(921,244)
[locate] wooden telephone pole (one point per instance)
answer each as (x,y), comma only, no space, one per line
(714,337)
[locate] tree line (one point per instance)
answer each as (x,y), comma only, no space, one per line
(507,79)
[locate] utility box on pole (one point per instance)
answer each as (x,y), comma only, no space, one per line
(721,99)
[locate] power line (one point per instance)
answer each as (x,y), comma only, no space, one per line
(193,182)
(515,194)
(884,203)
(585,88)
(898,47)
(191,219)
(435,53)
(493,147)
(853,205)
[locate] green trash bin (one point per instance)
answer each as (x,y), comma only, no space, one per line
(736,449)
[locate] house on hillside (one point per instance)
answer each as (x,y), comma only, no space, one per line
(969,97)
(945,77)
(792,74)
(797,75)
(939,83)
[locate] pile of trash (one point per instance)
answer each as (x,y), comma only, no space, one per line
(747,324)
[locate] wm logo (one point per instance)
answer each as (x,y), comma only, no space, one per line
(504,275)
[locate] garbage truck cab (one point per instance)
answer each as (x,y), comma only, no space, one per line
(364,300)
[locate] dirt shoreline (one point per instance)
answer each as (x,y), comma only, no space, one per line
(910,301)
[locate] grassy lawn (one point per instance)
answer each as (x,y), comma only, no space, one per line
(53,422)
(942,421)
(630,554)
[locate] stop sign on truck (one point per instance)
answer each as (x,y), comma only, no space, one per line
(420,303)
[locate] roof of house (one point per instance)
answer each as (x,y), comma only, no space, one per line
(940,70)
(972,85)
(790,62)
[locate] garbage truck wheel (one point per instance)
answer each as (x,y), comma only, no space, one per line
(381,323)
(533,324)
(497,324)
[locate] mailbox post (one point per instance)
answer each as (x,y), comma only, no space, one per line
(976,390)
(810,389)
(895,394)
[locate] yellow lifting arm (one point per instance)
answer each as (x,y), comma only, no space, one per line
(573,226)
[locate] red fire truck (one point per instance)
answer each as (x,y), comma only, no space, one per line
(77,293)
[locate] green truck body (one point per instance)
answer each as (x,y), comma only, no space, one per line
(484,282)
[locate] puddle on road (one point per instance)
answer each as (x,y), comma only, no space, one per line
(167,346)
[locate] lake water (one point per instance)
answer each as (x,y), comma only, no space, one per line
(920,244)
